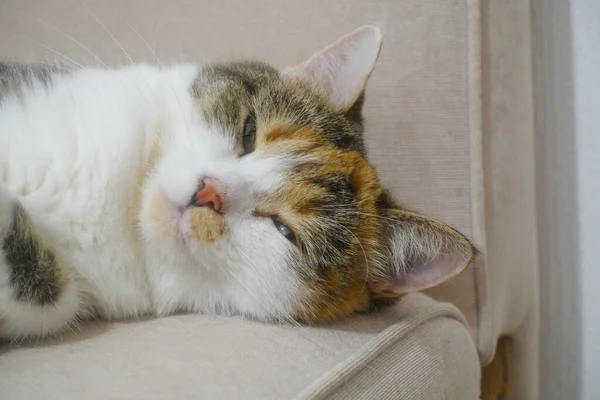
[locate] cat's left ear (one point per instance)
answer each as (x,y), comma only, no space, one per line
(343,68)
(424,253)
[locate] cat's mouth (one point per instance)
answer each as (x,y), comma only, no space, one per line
(203,223)
(177,211)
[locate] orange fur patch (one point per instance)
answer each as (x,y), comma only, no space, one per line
(135,198)
(334,299)
(346,291)
(339,291)
(207,225)
(280,132)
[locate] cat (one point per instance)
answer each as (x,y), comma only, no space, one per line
(232,188)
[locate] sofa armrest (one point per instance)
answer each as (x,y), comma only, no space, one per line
(418,349)
(429,355)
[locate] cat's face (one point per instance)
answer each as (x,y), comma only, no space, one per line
(270,193)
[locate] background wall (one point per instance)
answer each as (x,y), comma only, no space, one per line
(585,20)
(566,41)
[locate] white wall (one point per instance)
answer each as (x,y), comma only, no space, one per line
(585,23)
(557,193)
(566,47)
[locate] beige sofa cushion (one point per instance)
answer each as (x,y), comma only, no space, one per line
(420,349)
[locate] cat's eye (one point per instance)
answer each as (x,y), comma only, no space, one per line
(285,231)
(248,135)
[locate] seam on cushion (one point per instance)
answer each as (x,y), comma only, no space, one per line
(387,338)
(474,73)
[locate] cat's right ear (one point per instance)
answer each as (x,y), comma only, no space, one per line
(424,253)
(343,68)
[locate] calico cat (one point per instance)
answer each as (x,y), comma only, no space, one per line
(228,188)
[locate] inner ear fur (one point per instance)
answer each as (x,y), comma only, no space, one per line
(342,69)
(423,253)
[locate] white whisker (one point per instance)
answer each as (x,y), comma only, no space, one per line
(114,39)
(149,48)
(58,53)
(139,35)
(364,254)
(363,250)
(49,25)
(273,301)
(353,212)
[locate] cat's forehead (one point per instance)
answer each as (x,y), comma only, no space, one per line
(226,94)
(330,184)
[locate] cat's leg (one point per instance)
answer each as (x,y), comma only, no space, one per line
(38,295)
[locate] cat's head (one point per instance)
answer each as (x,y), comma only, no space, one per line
(269,197)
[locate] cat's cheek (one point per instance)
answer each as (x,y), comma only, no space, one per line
(159,220)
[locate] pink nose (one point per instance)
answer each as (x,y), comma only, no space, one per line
(208,196)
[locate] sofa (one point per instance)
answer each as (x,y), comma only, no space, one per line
(449,125)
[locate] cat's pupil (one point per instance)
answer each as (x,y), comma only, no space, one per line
(285,231)
(249,135)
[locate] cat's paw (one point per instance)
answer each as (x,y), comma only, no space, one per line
(39,294)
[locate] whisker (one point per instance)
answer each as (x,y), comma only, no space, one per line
(274,301)
(49,25)
(149,48)
(93,15)
(139,35)
(355,213)
(114,39)
(284,317)
(364,253)
(58,53)
(160,64)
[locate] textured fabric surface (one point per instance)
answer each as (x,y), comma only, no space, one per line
(509,288)
(441,366)
(419,349)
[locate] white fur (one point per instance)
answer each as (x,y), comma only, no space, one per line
(72,155)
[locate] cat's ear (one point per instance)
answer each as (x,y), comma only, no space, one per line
(425,252)
(343,68)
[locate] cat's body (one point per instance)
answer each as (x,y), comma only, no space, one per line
(226,188)
(78,174)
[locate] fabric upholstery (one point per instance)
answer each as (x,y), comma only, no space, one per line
(509,297)
(418,349)
(448,112)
